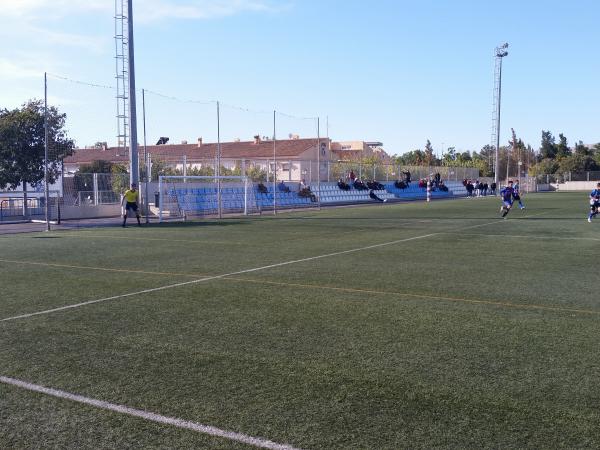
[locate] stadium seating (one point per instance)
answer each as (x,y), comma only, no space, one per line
(331,193)
(414,192)
(282,199)
(204,200)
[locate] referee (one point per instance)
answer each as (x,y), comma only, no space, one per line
(131,196)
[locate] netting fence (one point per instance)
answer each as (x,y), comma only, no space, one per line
(272,152)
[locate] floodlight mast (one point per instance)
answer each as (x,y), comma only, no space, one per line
(134,173)
(500,53)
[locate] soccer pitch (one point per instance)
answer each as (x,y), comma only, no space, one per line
(387,326)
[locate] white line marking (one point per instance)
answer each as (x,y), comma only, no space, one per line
(153,417)
(240,272)
(516,236)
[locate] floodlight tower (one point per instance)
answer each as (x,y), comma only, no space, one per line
(500,53)
(125,75)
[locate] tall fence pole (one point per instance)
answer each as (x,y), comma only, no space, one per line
(274,162)
(319,161)
(46,189)
(133,144)
(218,168)
(146,159)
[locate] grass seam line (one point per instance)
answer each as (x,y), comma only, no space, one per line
(334,288)
(102,269)
(421,296)
(521,236)
(240,272)
(149,416)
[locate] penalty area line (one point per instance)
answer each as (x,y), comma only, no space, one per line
(231,274)
(149,416)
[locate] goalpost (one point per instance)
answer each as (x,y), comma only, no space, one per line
(183,197)
(29,206)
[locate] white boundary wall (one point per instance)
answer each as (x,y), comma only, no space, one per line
(89,212)
(577,186)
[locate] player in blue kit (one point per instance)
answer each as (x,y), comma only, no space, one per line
(594,202)
(516,195)
(507,199)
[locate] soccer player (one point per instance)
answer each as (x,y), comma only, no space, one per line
(507,199)
(594,202)
(516,195)
(131,197)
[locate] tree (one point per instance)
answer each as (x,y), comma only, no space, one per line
(98,166)
(581,149)
(449,157)
(22,145)
(430,159)
(548,146)
(577,163)
(159,167)
(544,167)
(562,148)
(256,174)
(412,158)
(84,178)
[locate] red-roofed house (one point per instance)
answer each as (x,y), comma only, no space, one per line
(293,156)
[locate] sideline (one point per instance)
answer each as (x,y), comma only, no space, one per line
(150,416)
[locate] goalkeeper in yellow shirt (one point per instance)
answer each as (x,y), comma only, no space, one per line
(131,199)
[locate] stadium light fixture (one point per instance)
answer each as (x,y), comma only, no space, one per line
(501,52)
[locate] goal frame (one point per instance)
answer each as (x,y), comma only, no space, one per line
(215,179)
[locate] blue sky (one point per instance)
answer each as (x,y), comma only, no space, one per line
(399,71)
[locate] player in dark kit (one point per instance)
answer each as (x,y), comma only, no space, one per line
(594,202)
(507,199)
(517,196)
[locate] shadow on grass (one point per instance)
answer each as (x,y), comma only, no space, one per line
(196,224)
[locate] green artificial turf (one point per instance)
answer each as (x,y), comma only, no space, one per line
(463,330)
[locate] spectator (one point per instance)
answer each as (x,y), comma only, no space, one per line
(342,185)
(359,185)
(407,177)
(422,183)
(282,187)
(351,176)
(400,184)
(493,188)
(437,179)
(375,185)
(485,189)
(305,192)
(443,187)
(374,197)
(262,188)
(470,188)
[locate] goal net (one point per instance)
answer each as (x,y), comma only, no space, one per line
(184,197)
(29,206)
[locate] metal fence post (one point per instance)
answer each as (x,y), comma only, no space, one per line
(95,178)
